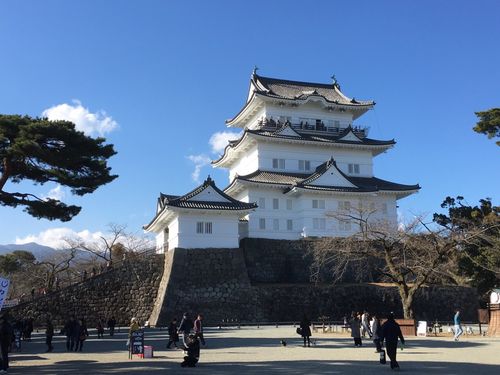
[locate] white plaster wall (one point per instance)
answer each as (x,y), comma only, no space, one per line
(303,213)
(209,194)
(173,237)
(224,231)
(315,154)
(246,165)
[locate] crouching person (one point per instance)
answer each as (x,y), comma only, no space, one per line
(193,352)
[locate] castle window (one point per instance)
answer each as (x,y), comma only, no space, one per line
(289,204)
(304,165)
(319,223)
(345,225)
(276,204)
(354,168)
(318,203)
(289,224)
(204,227)
(262,224)
(344,205)
(278,163)
(262,203)
(276,224)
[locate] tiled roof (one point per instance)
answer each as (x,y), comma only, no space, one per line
(186,202)
(323,138)
(306,181)
(291,90)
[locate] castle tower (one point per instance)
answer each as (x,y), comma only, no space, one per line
(304,162)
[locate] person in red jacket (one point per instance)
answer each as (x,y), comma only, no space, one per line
(198,329)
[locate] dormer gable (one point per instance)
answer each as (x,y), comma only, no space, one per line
(350,136)
(328,174)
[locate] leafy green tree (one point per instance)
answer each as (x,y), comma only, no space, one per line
(16,261)
(42,151)
(478,259)
(489,123)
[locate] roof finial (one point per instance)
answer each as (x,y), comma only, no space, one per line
(335,82)
(255,68)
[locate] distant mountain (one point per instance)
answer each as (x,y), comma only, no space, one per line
(39,251)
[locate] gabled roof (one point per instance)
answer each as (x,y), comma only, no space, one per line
(316,181)
(299,92)
(207,196)
(291,90)
(194,199)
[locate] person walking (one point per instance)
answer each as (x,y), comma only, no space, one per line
(6,335)
(305,330)
(192,351)
(365,324)
(377,332)
(390,333)
(49,334)
(198,329)
(185,328)
(100,329)
(356,330)
(82,335)
(458,325)
(173,336)
(111,325)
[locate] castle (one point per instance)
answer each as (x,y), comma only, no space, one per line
(301,168)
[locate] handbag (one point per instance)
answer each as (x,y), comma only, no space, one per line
(299,331)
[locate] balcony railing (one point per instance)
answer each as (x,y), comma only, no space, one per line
(317,128)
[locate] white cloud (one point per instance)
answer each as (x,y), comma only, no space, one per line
(199,161)
(97,123)
(219,140)
(55,237)
(57,193)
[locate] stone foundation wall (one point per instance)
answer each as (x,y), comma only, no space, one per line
(126,291)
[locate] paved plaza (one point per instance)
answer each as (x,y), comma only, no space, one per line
(253,350)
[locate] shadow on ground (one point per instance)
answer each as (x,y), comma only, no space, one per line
(276,367)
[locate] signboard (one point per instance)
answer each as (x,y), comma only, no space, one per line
(4,288)
(422,328)
(137,343)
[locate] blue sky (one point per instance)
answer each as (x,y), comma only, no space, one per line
(158,79)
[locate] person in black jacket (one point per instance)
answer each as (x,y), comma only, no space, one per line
(305,330)
(193,351)
(49,333)
(391,332)
(173,336)
(69,331)
(6,335)
(81,335)
(111,325)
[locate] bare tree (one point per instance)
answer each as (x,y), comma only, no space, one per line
(49,270)
(114,244)
(408,256)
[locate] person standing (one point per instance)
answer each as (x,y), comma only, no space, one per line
(305,330)
(82,335)
(198,329)
(49,334)
(185,328)
(377,332)
(390,333)
(173,336)
(356,330)
(111,325)
(458,325)
(6,335)
(69,332)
